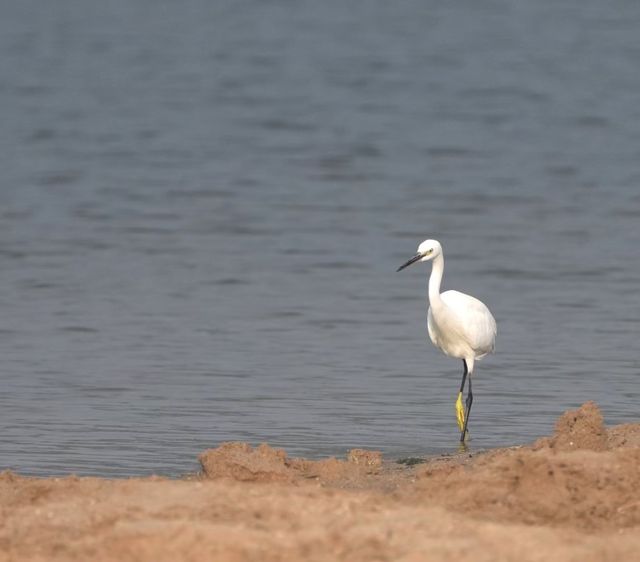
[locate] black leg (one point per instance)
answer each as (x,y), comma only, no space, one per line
(469,401)
(464,376)
(459,406)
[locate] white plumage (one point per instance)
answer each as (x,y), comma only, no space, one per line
(458,324)
(463,327)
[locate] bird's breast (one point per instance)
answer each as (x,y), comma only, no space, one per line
(447,334)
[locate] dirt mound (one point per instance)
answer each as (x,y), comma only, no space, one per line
(240,461)
(582,428)
(625,435)
(582,476)
(581,489)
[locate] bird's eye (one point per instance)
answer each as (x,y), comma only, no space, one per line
(429,251)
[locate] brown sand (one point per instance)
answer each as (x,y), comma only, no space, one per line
(572,496)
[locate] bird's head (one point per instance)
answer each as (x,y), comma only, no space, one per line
(427,250)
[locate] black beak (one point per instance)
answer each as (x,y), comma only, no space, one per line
(414,259)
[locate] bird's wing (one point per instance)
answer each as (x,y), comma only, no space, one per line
(476,320)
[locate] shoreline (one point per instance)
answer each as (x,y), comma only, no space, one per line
(572,495)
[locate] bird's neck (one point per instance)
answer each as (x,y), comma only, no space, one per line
(435,280)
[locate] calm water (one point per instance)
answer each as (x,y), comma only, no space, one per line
(203,204)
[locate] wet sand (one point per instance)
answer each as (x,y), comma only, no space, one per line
(574,495)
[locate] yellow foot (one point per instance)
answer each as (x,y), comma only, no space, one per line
(460,411)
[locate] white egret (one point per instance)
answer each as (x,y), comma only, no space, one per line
(458,324)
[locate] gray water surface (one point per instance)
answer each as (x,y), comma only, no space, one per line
(203,204)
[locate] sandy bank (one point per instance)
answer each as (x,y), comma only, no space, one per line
(572,496)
